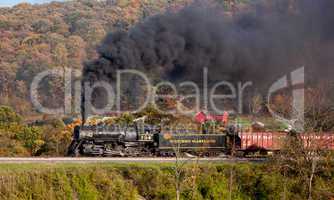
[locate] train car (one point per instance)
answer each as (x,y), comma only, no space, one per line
(271,142)
(323,141)
(262,142)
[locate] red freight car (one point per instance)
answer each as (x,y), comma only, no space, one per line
(261,141)
(323,141)
(273,141)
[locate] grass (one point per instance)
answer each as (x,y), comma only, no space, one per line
(150,181)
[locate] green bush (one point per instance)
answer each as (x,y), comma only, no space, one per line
(8,115)
(154,182)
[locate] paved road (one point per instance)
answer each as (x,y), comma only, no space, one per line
(119,160)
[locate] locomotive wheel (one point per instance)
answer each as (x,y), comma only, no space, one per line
(76,153)
(240,154)
(120,148)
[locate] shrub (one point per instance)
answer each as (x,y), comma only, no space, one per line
(8,115)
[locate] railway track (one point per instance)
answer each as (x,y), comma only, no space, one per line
(8,160)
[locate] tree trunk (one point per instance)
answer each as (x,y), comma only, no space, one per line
(177,194)
(231,183)
(310,184)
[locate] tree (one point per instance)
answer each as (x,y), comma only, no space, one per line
(8,116)
(60,55)
(304,155)
(56,137)
(125,119)
(31,138)
(75,46)
(179,169)
(60,26)
(7,79)
(42,26)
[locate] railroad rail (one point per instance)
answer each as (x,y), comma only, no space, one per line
(9,160)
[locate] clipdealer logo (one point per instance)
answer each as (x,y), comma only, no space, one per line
(203,96)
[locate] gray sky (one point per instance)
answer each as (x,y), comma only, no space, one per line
(14,2)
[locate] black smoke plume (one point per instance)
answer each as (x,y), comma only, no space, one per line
(259,42)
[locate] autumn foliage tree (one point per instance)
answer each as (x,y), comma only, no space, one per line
(306,156)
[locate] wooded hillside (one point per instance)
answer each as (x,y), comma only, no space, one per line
(34,38)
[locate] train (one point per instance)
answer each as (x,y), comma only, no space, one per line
(143,140)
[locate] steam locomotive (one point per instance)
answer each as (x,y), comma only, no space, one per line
(148,140)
